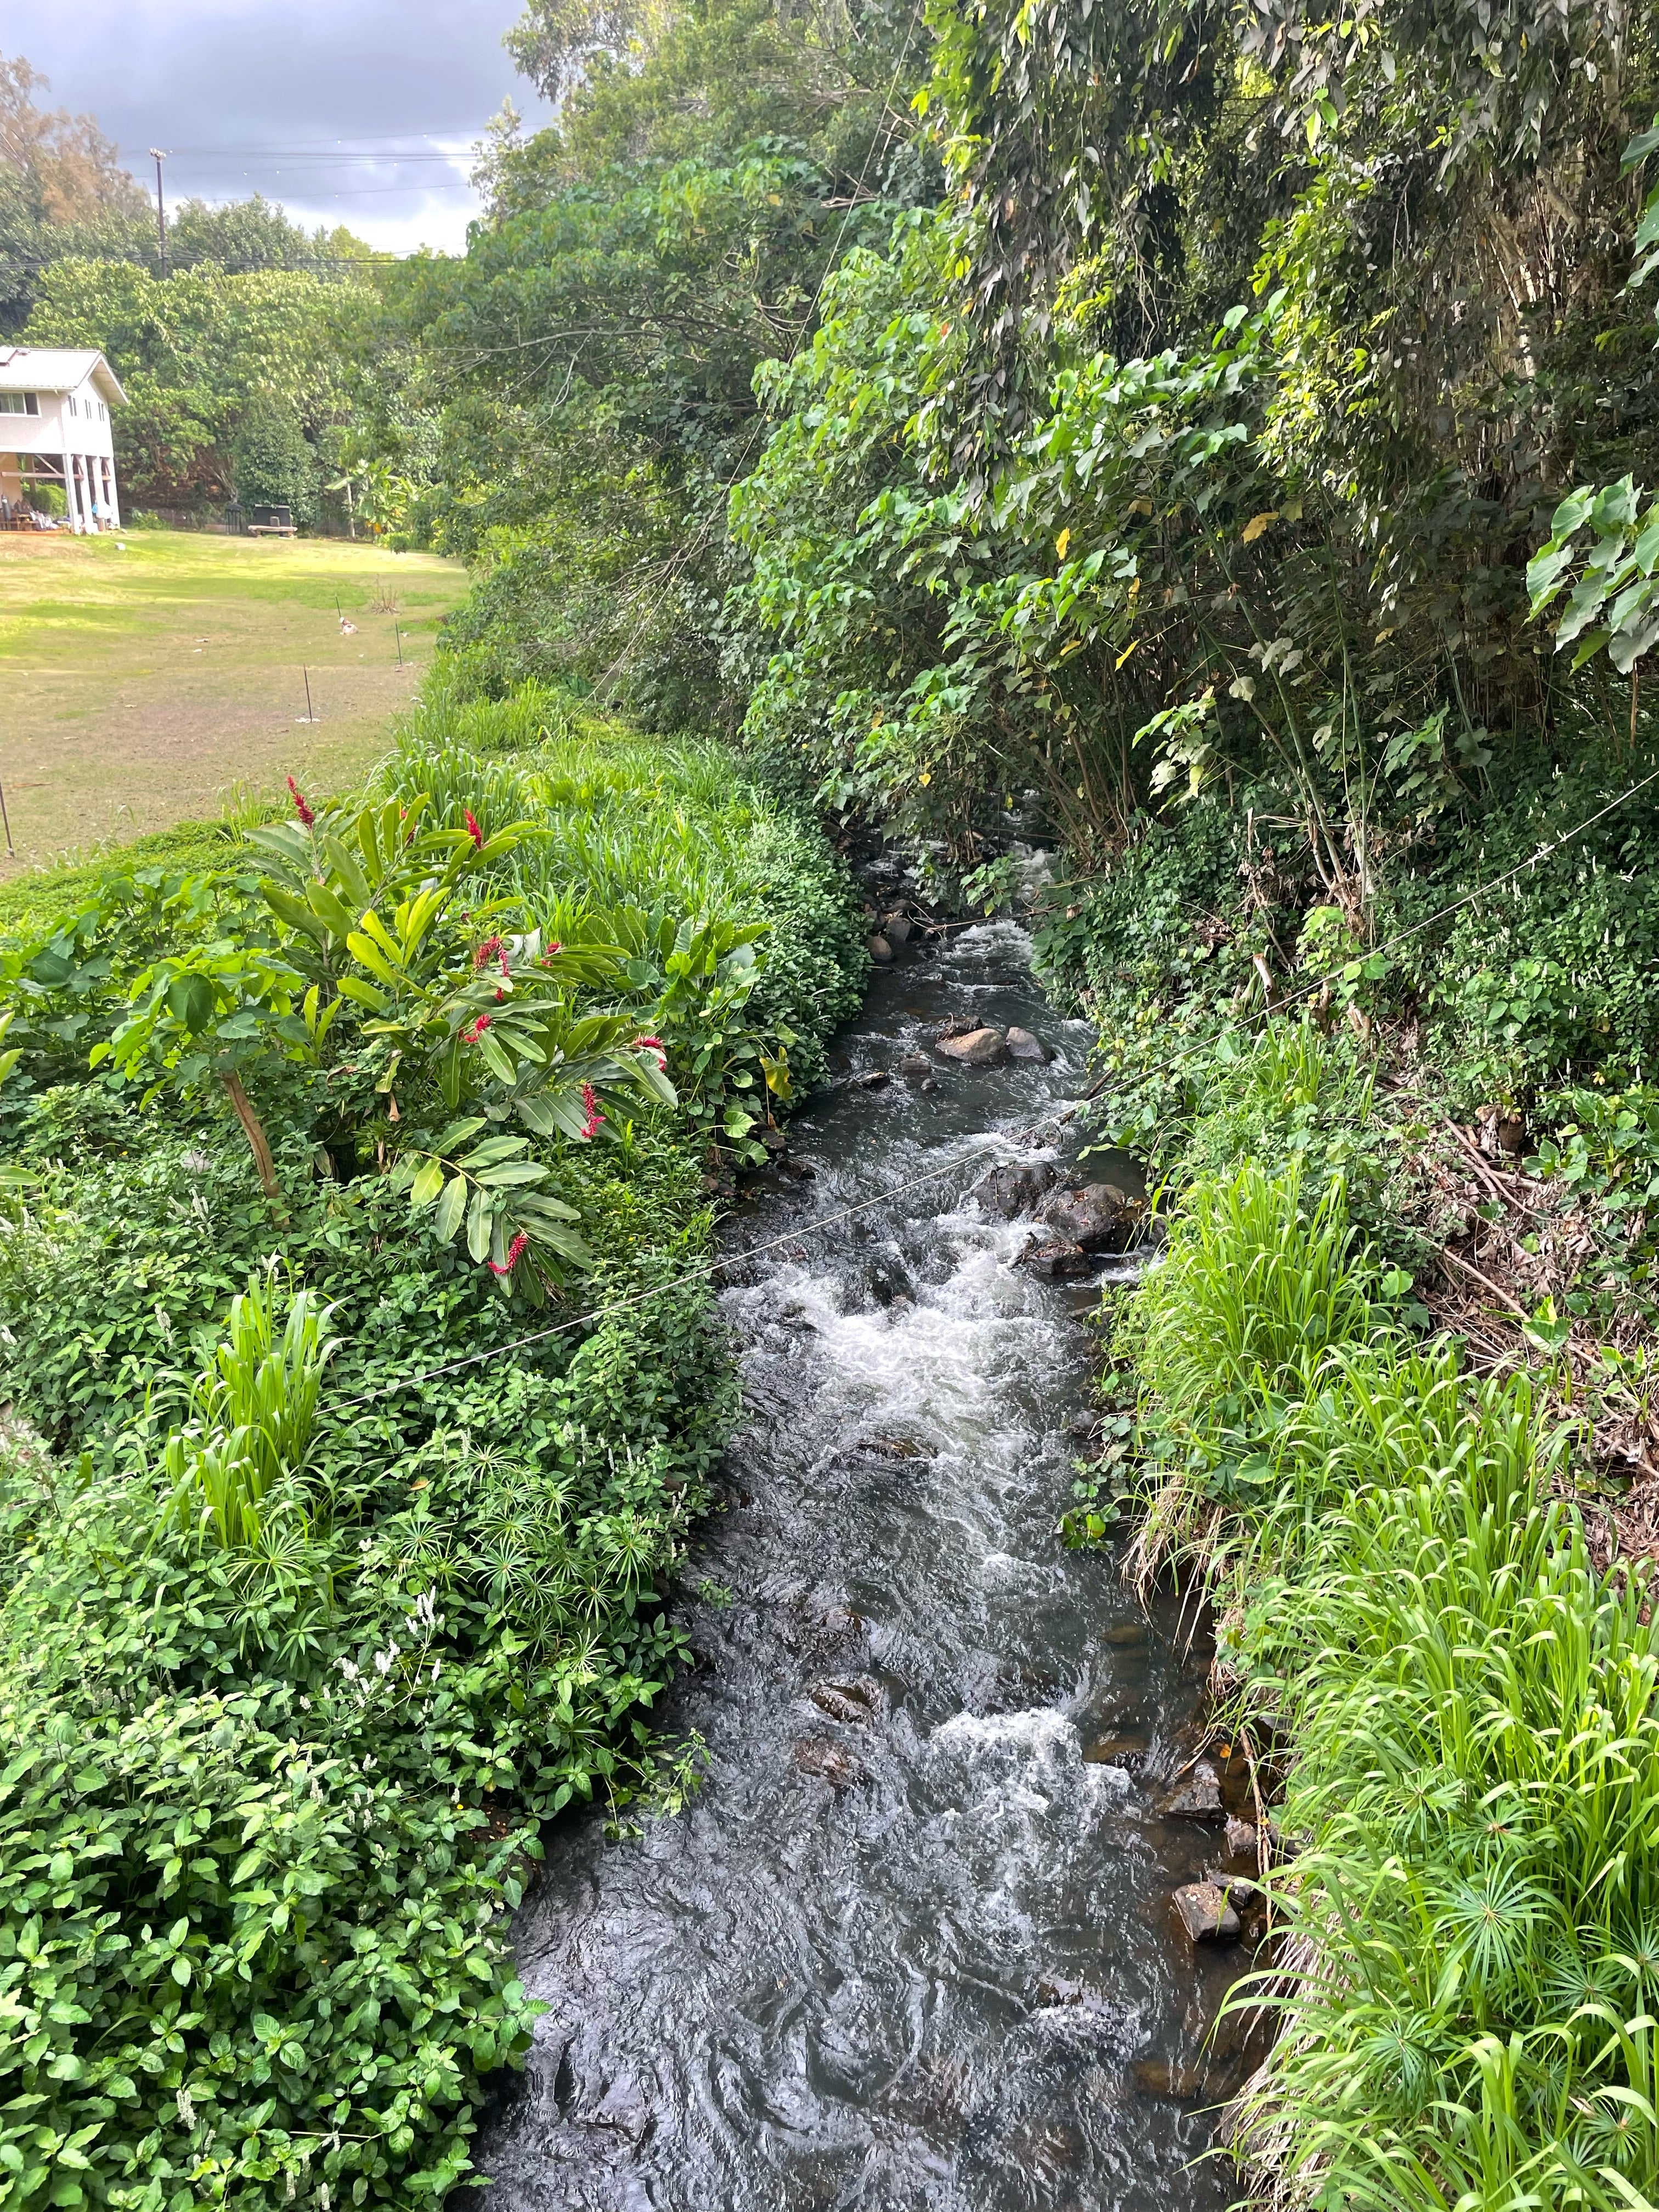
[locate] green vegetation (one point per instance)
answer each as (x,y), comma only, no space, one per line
(1456,1698)
(1219,443)
(346,1473)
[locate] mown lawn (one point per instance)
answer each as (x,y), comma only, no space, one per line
(146,678)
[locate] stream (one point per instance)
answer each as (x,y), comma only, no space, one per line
(911,1944)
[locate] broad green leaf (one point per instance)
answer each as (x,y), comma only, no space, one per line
(451,1206)
(493,1148)
(345,867)
(363,994)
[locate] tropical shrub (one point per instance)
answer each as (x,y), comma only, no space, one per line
(325,1589)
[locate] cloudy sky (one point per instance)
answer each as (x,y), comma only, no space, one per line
(360,111)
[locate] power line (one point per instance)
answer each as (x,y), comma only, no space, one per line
(683,554)
(369,138)
(391,161)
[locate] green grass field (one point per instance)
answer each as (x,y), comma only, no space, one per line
(144,680)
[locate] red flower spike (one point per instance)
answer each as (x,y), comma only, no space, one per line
(591,1105)
(515,1252)
(471,1035)
(651,1045)
(472,828)
(301,808)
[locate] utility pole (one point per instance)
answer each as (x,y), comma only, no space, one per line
(158,155)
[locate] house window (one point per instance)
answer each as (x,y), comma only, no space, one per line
(19,402)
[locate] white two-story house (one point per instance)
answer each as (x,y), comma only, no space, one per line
(55,405)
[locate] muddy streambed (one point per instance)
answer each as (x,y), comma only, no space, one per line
(911,1945)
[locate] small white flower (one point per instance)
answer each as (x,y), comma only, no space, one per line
(187,2109)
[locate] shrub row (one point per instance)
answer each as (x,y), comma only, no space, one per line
(301,1649)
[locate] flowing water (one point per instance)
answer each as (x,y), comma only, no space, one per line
(909,1946)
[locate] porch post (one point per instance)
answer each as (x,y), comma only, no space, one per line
(72,514)
(110,500)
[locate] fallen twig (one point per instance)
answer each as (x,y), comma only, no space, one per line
(1503,1298)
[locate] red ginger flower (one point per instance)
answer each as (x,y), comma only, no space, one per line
(471,1035)
(546,960)
(301,808)
(472,828)
(591,1105)
(515,1252)
(493,948)
(654,1045)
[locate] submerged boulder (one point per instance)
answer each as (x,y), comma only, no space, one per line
(855,1703)
(1243,1842)
(832,1762)
(1008,1192)
(1197,1796)
(1053,1261)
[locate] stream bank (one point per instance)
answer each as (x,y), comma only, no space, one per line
(912,1944)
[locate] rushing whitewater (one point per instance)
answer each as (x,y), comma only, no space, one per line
(909,1946)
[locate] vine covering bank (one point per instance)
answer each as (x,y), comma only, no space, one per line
(300,1651)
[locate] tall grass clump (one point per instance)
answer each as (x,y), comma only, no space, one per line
(252,1411)
(1467,1965)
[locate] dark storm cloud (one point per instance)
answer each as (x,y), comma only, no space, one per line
(251,94)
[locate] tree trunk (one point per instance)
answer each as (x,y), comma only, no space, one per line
(253,1129)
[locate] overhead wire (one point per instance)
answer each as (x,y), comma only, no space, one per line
(735,1260)
(682,554)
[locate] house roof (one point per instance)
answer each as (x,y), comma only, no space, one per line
(58,368)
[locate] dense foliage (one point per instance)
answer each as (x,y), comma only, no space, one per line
(346,1472)
(1420,1650)
(595,354)
(1203,435)
(1219,441)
